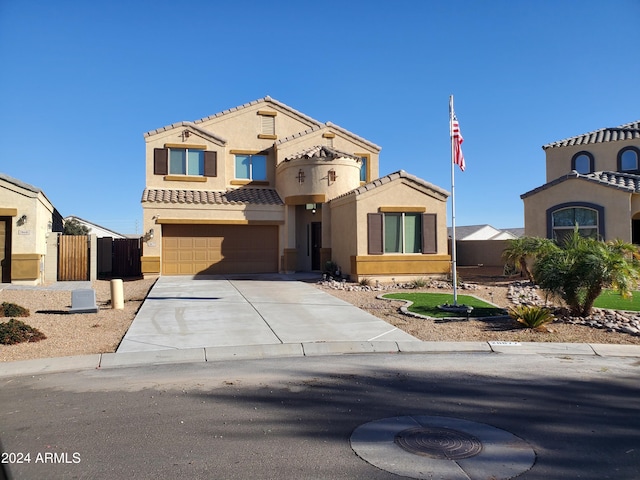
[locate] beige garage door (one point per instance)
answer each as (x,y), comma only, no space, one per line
(219,249)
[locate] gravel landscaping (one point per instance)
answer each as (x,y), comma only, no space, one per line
(88,333)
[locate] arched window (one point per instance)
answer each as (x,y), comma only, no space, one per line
(628,159)
(564,220)
(582,162)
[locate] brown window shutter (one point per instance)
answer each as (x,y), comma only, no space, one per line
(160,161)
(429,233)
(374,233)
(210,164)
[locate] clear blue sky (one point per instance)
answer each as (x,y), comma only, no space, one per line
(82,81)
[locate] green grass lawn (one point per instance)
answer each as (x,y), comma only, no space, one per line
(614,301)
(427,304)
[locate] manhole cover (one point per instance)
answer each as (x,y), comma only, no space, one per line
(442,443)
(428,447)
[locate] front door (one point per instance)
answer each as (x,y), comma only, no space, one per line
(316,244)
(635,231)
(5,249)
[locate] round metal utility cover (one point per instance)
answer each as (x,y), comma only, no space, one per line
(442,443)
(421,446)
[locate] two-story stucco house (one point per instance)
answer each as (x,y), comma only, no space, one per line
(593,181)
(265,188)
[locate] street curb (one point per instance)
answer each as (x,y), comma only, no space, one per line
(106,361)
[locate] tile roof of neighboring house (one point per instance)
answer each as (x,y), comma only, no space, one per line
(516,232)
(19,183)
(464,231)
(92,225)
(321,151)
(628,131)
(256,196)
(390,178)
(621,181)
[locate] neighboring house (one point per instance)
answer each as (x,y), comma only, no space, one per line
(265,188)
(27,218)
(95,229)
(482,244)
(483,232)
(593,181)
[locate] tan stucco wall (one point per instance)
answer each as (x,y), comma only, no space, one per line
(316,177)
(349,231)
(605,157)
(616,203)
(401,193)
(343,232)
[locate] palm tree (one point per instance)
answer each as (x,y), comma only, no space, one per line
(578,270)
(520,251)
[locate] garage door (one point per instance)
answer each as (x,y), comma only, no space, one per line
(219,249)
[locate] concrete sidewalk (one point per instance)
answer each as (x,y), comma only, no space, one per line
(255,352)
(203,312)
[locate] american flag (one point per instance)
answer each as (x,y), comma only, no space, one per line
(458,157)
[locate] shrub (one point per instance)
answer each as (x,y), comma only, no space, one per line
(13,310)
(365,282)
(531,316)
(15,331)
(419,282)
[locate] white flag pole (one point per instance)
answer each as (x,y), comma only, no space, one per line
(454,278)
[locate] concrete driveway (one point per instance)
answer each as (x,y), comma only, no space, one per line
(193,312)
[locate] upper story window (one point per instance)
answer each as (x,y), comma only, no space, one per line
(566,219)
(582,162)
(184,161)
(628,159)
(251,167)
(363,168)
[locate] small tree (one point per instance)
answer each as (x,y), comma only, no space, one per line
(520,250)
(74,227)
(580,268)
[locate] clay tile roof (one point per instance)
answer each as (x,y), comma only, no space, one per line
(321,151)
(390,178)
(628,131)
(621,181)
(252,196)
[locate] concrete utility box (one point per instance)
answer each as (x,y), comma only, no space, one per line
(83,301)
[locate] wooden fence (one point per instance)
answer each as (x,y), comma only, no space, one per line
(73,257)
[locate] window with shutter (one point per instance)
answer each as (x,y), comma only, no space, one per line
(210,164)
(429,233)
(374,233)
(160,161)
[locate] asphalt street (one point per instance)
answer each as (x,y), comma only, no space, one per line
(292,418)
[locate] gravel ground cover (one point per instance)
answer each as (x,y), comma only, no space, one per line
(88,333)
(73,334)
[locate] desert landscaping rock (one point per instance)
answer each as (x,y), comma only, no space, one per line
(83,334)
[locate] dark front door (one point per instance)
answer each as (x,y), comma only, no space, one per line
(635,231)
(316,244)
(5,249)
